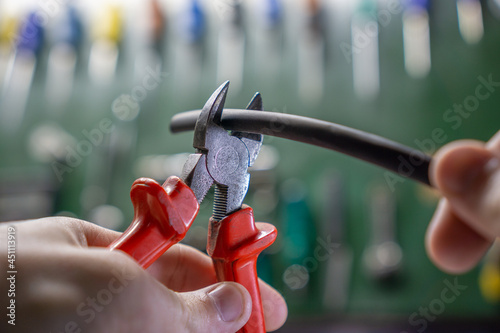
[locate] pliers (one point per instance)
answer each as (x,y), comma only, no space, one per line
(164,213)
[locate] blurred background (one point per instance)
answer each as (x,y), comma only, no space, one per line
(87,90)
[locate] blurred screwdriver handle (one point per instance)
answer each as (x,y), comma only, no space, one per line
(162,217)
(234,243)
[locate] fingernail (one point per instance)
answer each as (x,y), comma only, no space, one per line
(467,172)
(228,301)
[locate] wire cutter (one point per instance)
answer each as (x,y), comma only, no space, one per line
(164,213)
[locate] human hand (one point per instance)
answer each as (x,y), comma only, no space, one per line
(467,220)
(67,281)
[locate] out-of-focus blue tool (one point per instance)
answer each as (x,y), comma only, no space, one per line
(20,73)
(65,35)
(272,13)
(416,38)
(189,50)
(192,27)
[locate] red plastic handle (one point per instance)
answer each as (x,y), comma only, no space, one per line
(234,243)
(162,216)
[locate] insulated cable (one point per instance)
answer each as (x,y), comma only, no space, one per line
(405,161)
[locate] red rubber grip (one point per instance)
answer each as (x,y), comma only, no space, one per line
(162,216)
(234,243)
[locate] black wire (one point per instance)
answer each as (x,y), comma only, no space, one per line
(403,160)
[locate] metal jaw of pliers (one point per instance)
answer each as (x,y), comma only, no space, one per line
(222,159)
(164,213)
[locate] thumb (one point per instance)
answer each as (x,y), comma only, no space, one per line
(223,307)
(468,175)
